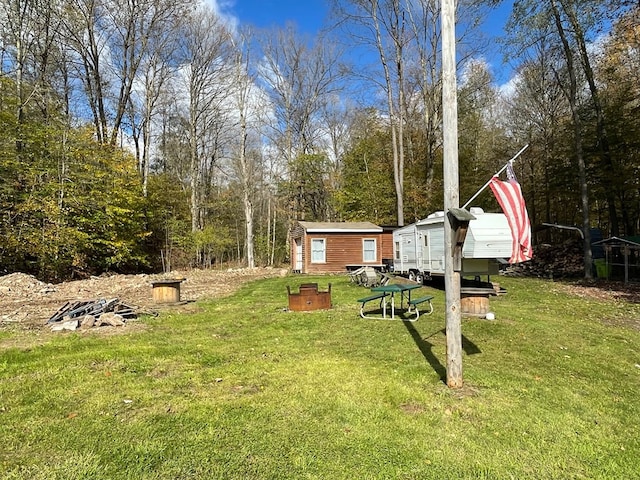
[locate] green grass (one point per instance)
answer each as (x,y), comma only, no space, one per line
(248,390)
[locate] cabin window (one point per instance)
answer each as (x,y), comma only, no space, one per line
(318,250)
(369,250)
(426,240)
(397,250)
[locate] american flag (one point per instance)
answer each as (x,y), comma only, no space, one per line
(509,196)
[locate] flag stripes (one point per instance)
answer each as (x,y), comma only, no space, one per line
(509,196)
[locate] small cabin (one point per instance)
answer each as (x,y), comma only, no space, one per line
(332,247)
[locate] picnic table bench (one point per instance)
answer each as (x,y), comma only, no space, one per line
(414,302)
(363,301)
(386,295)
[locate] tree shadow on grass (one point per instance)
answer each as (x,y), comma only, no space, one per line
(426,348)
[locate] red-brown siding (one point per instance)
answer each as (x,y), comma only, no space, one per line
(386,238)
(342,249)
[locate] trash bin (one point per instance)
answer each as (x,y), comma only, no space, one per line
(602,269)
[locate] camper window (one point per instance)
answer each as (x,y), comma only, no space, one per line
(369,250)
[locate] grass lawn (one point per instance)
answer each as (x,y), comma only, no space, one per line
(247,390)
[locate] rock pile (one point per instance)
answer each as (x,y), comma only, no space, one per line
(21,284)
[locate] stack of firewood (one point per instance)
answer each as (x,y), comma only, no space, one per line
(552,261)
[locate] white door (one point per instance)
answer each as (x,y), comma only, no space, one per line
(298,242)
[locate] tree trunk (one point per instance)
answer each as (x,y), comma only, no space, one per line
(577,134)
(395,114)
(601,131)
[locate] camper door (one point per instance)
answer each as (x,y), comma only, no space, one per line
(408,249)
(423,260)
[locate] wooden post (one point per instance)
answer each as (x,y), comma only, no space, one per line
(451,194)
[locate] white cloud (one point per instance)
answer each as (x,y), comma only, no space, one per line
(507,90)
(224,9)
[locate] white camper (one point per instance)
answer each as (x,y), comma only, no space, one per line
(419,247)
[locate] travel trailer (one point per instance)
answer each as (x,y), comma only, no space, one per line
(419,247)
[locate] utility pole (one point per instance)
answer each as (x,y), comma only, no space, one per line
(451,193)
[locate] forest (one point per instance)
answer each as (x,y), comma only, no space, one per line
(149,135)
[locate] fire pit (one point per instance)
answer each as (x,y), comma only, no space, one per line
(309,298)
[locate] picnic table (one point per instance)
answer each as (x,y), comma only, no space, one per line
(386,294)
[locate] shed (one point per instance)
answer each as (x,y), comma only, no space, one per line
(332,247)
(621,259)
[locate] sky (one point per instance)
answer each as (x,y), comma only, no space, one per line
(308,15)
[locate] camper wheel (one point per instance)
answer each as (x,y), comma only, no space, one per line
(420,278)
(412,275)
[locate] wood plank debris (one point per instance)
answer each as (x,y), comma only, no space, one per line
(112,310)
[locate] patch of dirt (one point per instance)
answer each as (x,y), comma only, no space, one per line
(26,301)
(610,291)
(412,408)
(602,290)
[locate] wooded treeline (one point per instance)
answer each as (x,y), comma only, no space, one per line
(137,135)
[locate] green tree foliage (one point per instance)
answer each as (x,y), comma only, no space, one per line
(618,71)
(67,205)
(106,203)
(368,191)
(479,131)
(167,217)
(307,189)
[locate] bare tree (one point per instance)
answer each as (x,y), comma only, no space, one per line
(300,74)
(534,111)
(381,24)
(577,24)
(30,42)
(405,36)
(83,33)
(244,97)
(155,71)
(424,80)
(571,90)
(112,39)
(205,68)
(337,116)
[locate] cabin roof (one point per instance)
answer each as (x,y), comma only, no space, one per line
(340,227)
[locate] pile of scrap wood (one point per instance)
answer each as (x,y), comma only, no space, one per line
(91,313)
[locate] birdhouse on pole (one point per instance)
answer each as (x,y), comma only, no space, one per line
(459,219)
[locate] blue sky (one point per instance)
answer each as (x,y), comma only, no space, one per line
(309,16)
